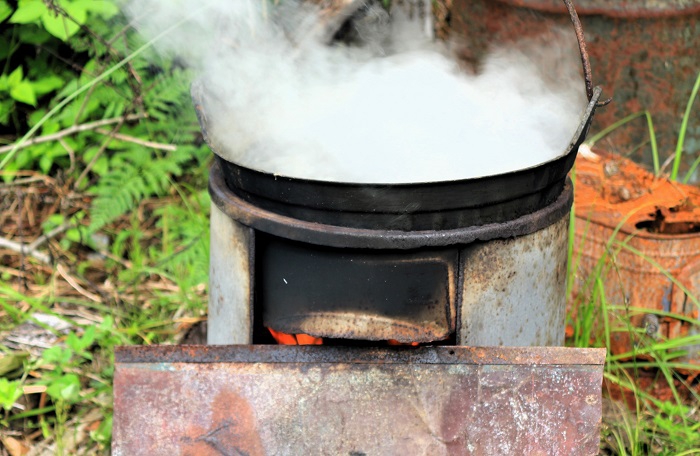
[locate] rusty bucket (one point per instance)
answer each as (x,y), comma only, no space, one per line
(641,235)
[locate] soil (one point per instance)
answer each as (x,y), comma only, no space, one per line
(616,184)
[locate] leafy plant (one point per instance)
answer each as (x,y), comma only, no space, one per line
(112,124)
(133,176)
(35,23)
(10,391)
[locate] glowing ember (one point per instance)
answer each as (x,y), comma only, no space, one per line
(396,342)
(295,339)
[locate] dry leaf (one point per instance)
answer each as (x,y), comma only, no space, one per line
(14,446)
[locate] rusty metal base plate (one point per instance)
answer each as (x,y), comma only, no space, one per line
(299,400)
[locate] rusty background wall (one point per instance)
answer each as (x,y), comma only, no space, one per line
(644,54)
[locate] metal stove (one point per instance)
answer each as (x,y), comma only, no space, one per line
(473,271)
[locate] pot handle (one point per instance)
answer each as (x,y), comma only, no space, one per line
(584,53)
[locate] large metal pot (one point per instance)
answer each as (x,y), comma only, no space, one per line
(445,205)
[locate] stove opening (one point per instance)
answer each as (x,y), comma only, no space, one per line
(311,294)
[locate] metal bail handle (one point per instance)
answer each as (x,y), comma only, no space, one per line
(584,53)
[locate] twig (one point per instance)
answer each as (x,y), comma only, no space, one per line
(12,271)
(73,283)
(665,164)
(71,154)
(43,239)
(71,130)
(141,142)
(32,249)
(126,263)
(20,201)
(25,250)
(22,181)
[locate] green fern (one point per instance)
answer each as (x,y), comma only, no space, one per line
(134,175)
(169,95)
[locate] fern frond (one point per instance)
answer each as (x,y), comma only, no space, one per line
(135,175)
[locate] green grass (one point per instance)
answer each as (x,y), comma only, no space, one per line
(591,141)
(681,135)
(651,426)
(159,281)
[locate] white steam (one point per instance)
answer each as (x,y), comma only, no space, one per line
(280,100)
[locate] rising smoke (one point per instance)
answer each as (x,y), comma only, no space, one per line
(280,99)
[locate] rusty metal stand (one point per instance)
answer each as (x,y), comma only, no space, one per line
(295,400)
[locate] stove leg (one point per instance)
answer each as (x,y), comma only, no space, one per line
(230,282)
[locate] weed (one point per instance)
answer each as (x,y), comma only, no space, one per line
(681,135)
(10,391)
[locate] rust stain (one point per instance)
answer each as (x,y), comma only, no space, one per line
(232,430)
(651,207)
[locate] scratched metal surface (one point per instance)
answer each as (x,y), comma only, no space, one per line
(514,290)
(291,400)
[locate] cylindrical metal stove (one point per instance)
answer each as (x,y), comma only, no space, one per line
(474,262)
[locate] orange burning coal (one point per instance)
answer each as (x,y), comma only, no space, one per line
(396,342)
(295,339)
(305,339)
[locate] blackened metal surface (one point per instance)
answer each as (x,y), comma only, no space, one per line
(323,400)
(459,203)
(408,296)
(339,236)
(393,198)
(407,215)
